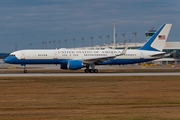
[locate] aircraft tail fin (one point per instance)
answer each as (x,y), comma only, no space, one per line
(158,40)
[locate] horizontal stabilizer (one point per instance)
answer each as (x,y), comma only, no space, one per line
(163,54)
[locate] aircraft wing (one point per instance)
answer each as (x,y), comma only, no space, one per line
(93,59)
(97,59)
(102,59)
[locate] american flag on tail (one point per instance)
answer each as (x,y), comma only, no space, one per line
(162,37)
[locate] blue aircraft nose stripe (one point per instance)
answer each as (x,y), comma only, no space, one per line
(14,60)
(10,59)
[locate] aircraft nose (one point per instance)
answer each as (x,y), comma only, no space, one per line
(11,60)
(7,59)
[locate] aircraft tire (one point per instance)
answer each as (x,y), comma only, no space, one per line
(25,71)
(86,70)
(91,70)
(95,70)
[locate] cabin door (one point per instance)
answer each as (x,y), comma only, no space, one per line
(22,55)
(141,55)
(55,55)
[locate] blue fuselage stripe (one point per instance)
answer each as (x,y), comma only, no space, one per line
(60,61)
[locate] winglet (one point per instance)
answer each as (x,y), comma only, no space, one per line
(124,51)
(158,40)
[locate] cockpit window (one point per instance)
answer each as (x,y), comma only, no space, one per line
(12,55)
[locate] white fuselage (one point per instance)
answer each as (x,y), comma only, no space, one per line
(58,55)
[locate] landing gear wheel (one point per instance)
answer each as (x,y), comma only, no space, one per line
(24,67)
(86,70)
(91,70)
(95,71)
(25,71)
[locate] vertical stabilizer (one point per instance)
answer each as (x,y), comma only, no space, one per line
(158,40)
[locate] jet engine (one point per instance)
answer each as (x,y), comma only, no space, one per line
(72,65)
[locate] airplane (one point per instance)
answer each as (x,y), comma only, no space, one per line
(73,59)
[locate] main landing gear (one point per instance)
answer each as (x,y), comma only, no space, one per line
(92,70)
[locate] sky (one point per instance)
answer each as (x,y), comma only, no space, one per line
(25,24)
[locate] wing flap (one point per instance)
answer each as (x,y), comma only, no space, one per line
(97,59)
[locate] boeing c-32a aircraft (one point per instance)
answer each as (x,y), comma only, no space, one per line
(77,59)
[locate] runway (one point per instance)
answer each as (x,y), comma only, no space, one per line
(90,74)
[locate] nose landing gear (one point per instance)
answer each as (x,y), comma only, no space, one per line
(24,67)
(25,71)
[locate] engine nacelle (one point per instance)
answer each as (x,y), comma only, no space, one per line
(74,64)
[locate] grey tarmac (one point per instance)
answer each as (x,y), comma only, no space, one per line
(90,74)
